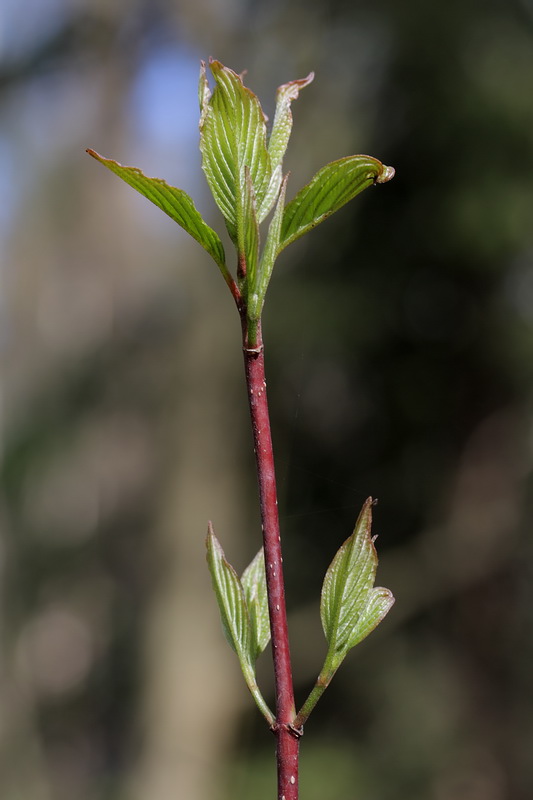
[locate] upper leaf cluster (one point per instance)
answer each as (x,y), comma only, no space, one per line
(244,169)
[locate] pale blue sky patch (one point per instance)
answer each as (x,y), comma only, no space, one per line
(24,24)
(163,108)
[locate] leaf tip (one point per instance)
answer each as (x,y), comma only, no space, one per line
(364,524)
(292,88)
(386,174)
(217,66)
(210,538)
(387,599)
(304,81)
(368,505)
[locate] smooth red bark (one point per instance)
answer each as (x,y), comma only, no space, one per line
(287,738)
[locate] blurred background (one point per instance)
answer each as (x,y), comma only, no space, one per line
(400,362)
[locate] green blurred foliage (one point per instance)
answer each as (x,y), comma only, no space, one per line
(400,347)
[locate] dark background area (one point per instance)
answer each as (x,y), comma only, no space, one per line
(399,342)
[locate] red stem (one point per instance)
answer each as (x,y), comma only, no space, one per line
(286,736)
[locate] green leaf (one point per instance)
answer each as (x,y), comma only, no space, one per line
(279,139)
(259,279)
(379,603)
(350,607)
(282,125)
(253,582)
(331,188)
(174,202)
(242,610)
(230,599)
(232,137)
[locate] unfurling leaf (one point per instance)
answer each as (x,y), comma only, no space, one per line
(351,607)
(232,137)
(279,138)
(253,582)
(230,599)
(282,125)
(174,202)
(332,187)
(243,611)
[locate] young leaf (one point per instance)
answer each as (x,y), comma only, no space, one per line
(279,138)
(244,630)
(174,202)
(230,599)
(232,136)
(259,279)
(282,125)
(331,188)
(253,582)
(379,603)
(350,607)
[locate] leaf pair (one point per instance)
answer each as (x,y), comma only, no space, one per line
(244,170)
(244,611)
(351,607)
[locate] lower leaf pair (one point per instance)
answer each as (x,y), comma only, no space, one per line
(351,607)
